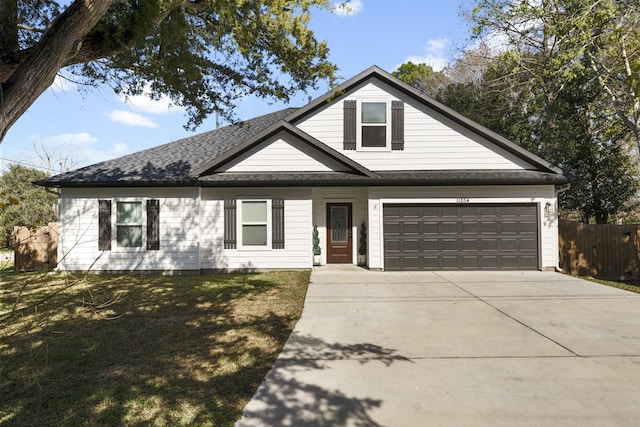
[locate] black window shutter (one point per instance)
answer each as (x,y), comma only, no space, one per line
(153,225)
(397,125)
(104,225)
(349,125)
(277,228)
(230,224)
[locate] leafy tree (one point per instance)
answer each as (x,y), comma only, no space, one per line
(203,54)
(577,130)
(502,101)
(23,203)
(593,144)
(422,77)
(554,40)
(606,182)
(606,34)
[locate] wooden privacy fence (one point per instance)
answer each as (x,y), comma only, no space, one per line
(36,249)
(606,251)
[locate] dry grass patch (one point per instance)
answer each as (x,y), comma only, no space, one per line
(140,350)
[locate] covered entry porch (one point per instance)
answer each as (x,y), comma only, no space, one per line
(339,214)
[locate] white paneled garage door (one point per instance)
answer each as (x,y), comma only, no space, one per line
(460,237)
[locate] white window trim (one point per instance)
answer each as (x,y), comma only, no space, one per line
(239,225)
(359,125)
(114,222)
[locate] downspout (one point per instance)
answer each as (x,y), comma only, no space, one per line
(57,193)
(52,191)
(560,189)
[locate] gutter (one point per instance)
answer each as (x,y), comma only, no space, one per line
(48,189)
(52,191)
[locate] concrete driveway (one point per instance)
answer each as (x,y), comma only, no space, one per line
(456,348)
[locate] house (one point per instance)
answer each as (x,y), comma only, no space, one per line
(435,191)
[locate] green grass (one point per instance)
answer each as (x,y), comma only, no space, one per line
(632,286)
(6,261)
(140,350)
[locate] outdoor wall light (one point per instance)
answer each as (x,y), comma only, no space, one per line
(548,208)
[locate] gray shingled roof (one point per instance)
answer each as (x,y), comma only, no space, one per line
(168,164)
(193,160)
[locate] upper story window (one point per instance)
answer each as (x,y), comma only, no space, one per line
(373,125)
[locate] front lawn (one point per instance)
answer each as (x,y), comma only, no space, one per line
(140,350)
(632,286)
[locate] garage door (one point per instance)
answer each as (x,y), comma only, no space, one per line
(459,237)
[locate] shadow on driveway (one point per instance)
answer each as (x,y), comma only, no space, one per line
(283,400)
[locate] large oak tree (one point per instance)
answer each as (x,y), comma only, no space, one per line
(203,54)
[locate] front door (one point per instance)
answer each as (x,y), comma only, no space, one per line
(339,234)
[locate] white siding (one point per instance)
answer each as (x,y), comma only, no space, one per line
(297,252)
(432,142)
(283,153)
(192,231)
(356,196)
(539,194)
(179,226)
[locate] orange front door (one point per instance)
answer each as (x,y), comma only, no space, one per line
(339,233)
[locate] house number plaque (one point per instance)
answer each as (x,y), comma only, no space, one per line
(462,200)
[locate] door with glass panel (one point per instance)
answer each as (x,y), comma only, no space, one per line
(339,233)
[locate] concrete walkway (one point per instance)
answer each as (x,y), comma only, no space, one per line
(456,349)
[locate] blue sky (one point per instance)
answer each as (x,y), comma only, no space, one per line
(86,128)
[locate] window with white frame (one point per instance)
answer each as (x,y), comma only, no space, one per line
(374,125)
(129,221)
(255,222)
(129,224)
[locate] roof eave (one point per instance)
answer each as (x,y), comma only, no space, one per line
(104,184)
(381,182)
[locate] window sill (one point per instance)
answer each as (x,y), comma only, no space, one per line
(374,149)
(254,248)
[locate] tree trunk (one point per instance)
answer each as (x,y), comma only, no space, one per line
(61,41)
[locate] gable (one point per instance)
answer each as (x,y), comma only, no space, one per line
(283,153)
(431,140)
(279,149)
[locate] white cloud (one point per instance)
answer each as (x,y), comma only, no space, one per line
(62,84)
(131,119)
(144,103)
(119,149)
(70,150)
(435,54)
(96,155)
(80,139)
(346,8)
(64,151)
